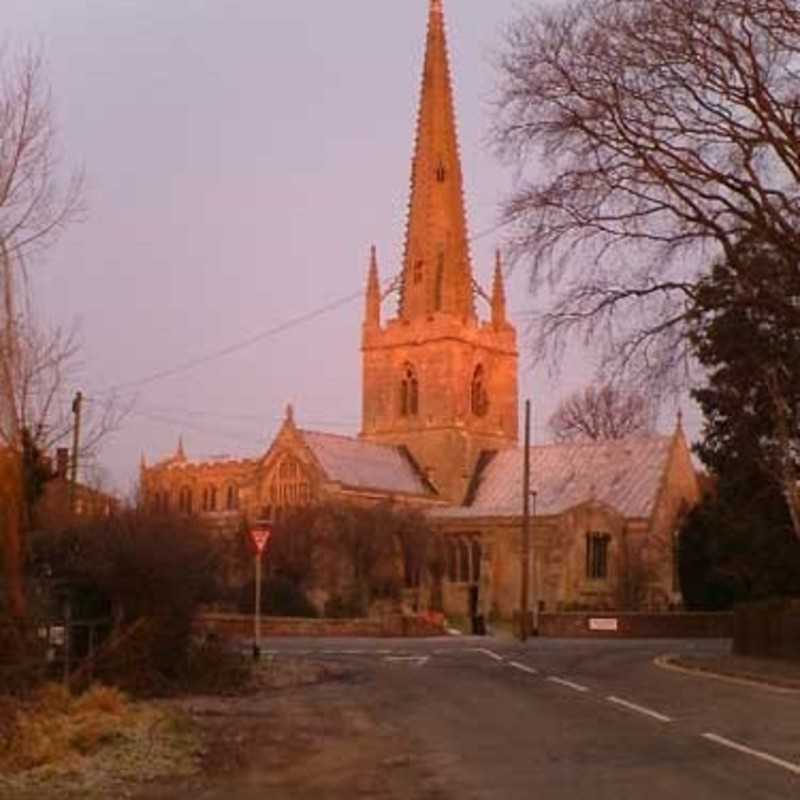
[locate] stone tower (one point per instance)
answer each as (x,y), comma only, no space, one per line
(437,379)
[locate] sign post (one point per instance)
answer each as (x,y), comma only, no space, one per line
(260,534)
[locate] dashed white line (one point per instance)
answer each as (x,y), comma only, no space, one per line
(778,762)
(489,653)
(420,661)
(569,684)
(640,709)
(523,667)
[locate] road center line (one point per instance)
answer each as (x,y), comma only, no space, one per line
(523,667)
(488,653)
(569,684)
(640,709)
(778,762)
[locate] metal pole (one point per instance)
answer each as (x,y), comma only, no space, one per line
(257,620)
(526,527)
(536,576)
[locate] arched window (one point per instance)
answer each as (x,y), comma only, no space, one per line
(441,172)
(476,559)
(452,561)
(418,272)
(185,500)
(232,499)
(165,501)
(479,397)
(464,572)
(409,392)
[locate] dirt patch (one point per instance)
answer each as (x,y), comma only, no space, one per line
(318,740)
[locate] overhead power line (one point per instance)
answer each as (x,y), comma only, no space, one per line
(192,363)
(243,344)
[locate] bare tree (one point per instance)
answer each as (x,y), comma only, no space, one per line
(604,413)
(36,203)
(649,138)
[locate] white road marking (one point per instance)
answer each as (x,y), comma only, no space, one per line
(640,709)
(523,667)
(778,762)
(487,653)
(569,684)
(419,660)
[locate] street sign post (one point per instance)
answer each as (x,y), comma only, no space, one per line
(260,534)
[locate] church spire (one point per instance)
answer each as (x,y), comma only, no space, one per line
(498,294)
(437,275)
(372,314)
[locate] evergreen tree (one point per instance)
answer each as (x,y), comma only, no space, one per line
(739,543)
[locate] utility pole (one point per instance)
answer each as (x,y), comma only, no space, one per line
(536,576)
(526,528)
(76,438)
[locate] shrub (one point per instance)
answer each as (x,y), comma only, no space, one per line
(280,597)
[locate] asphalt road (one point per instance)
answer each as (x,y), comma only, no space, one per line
(571,719)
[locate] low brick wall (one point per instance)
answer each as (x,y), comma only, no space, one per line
(768,630)
(231,626)
(629,625)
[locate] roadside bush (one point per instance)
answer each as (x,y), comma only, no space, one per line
(280,597)
(152,572)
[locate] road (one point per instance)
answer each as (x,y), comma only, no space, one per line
(567,719)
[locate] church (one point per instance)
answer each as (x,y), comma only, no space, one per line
(440,429)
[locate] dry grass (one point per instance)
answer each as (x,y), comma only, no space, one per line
(90,743)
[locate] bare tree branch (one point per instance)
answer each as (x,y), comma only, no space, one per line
(600,414)
(649,137)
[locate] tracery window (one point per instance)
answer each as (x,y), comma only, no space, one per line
(479,397)
(464,554)
(288,487)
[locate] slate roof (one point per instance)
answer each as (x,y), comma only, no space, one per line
(365,465)
(625,475)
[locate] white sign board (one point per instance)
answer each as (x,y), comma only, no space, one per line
(603,624)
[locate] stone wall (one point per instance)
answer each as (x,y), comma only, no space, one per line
(240,626)
(628,625)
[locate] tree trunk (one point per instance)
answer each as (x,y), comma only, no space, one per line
(13,550)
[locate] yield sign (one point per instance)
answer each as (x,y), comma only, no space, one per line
(260,536)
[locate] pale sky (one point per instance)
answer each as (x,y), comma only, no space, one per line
(241,156)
